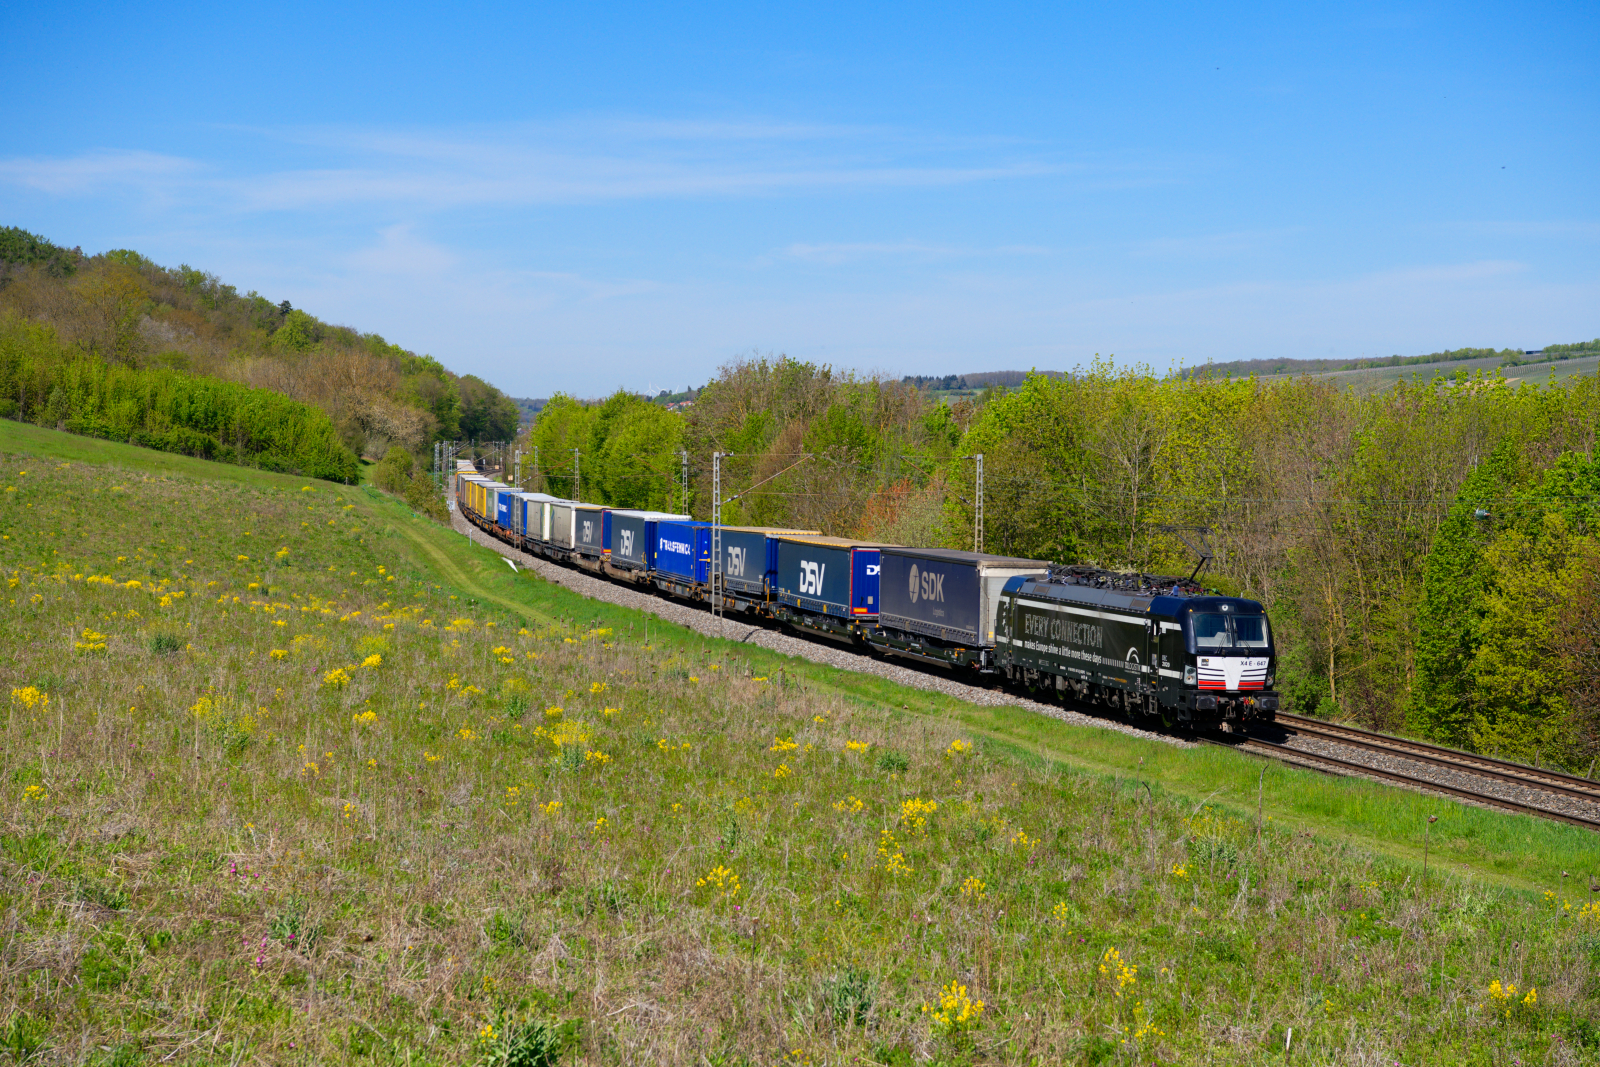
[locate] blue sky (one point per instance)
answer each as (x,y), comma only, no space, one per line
(581,197)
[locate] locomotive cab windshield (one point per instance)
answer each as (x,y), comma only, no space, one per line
(1215,631)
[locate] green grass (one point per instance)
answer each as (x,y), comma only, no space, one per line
(348,853)
(1506,849)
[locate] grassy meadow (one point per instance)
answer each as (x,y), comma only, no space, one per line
(292,776)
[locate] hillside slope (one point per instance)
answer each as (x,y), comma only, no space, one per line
(1552,363)
(122,309)
(281,791)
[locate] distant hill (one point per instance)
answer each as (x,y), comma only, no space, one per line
(1242,368)
(123,310)
(529,407)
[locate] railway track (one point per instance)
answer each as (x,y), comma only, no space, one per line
(1438,756)
(1260,746)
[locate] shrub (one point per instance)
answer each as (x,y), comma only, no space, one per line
(393,472)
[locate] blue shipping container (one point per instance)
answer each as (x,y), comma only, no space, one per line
(749,560)
(830,577)
(631,537)
(683,549)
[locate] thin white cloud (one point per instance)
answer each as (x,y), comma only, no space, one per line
(551,179)
(1213,245)
(94,171)
(593,132)
(522,165)
(1447,273)
(401,252)
(833,254)
(1570,229)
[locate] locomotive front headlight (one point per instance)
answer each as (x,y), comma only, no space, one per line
(1271,681)
(1188,676)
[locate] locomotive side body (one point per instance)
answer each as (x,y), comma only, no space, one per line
(1090,643)
(1178,656)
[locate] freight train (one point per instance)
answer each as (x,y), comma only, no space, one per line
(1148,647)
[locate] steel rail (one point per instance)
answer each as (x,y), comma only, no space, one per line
(1346,768)
(1423,752)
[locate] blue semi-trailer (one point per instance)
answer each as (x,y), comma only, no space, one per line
(828,585)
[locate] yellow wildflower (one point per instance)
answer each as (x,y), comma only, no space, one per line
(956,1011)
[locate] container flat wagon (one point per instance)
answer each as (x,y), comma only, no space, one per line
(541,518)
(538,516)
(588,537)
(504,499)
(472,497)
(631,536)
(682,558)
(749,576)
(563,533)
(683,563)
